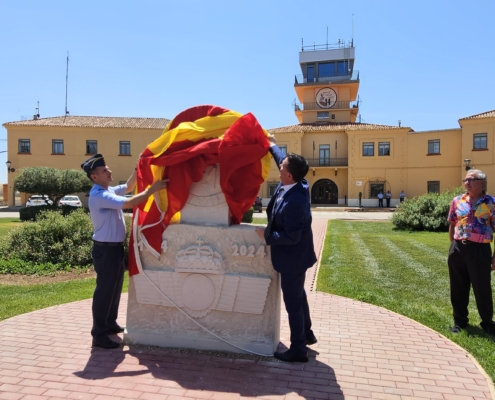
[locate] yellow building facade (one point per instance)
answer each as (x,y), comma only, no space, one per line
(65,142)
(349,160)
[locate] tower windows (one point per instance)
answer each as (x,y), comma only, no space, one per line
(326,70)
(311,73)
(343,68)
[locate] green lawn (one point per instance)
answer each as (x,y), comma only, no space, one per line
(20,299)
(7,224)
(405,272)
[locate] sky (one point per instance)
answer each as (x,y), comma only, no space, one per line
(426,63)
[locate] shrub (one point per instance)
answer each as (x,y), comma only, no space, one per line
(31,213)
(248,216)
(62,241)
(425,213)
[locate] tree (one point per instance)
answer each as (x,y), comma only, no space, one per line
(54,182)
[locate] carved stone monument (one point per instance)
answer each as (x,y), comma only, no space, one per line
(213,286)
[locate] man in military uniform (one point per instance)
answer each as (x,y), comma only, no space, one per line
(105,205)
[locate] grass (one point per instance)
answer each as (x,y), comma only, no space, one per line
(7,224)
(21,299)
(405,272)
(260,221)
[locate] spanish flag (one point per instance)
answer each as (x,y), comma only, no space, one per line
(195,139)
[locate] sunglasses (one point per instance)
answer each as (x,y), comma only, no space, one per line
(471,179)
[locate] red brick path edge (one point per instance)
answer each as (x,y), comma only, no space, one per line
(363,352)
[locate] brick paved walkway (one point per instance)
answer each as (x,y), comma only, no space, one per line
(363,352)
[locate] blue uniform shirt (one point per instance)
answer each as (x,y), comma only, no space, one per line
(105,207)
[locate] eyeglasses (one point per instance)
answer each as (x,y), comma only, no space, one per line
(471,179)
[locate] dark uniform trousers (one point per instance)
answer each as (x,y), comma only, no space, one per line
(296,304)
(108,261)
(470,264)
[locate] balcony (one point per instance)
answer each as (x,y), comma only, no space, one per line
(339,105)
(300,79)
(327,162)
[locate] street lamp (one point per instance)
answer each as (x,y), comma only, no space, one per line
(8,163)
(467,161)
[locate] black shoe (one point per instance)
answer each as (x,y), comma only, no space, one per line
(457,328)
(105,342)
(115,329)
(490,331)
(290,356)
(311,339)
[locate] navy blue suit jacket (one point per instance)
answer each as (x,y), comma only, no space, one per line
(290,235)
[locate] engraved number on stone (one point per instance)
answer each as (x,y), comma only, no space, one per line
(261,252)
(248,251)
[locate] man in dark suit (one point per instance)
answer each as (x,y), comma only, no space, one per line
(291,239)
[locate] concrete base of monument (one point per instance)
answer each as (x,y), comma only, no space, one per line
(211,278)
(203,342)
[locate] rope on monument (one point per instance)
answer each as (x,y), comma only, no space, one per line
(140,267)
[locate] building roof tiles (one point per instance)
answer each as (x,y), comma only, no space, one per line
(488,114)
(329,126)
(95,122)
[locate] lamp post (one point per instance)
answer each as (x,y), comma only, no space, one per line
(467,161)
(9,163)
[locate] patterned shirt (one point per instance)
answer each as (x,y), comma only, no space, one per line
(476,223)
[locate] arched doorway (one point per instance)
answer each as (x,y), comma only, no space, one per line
(325,191)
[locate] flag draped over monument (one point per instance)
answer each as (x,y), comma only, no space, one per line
(193,140)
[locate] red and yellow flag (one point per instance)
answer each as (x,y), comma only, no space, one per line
(196,138)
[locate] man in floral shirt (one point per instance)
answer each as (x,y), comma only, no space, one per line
(472,221)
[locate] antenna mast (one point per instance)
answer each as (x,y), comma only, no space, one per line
(352,35)
(66,84)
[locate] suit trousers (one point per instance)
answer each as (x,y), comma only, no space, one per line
(296,304)
(108,262)
(470,264)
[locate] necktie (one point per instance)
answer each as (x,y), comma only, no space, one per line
(279,196)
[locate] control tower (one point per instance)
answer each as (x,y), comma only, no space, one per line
(327,89)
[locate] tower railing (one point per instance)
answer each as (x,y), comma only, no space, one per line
(328,162)
(341,44)
(339,105)
(300,79)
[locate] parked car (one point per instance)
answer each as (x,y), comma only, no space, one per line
(258,205)
(38,200)
(73,201)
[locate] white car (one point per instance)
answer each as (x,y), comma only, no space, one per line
(70,201)
(38,200)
